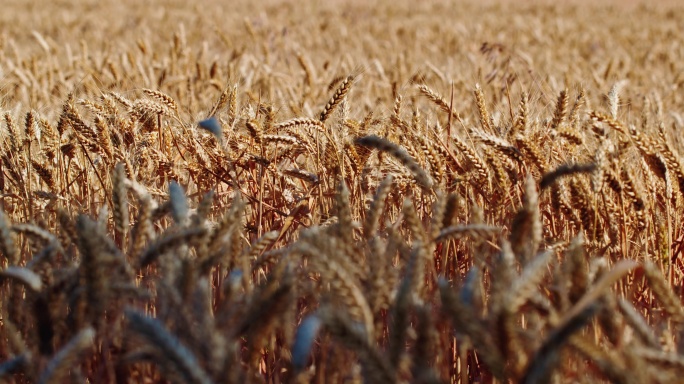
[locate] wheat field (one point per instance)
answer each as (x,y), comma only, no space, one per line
(341,192)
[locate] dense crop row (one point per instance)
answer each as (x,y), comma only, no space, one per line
(337,192)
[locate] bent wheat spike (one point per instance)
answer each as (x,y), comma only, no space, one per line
(173,355)
(59,366)
(400,154)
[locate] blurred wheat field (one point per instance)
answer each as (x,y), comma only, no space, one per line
(337,192)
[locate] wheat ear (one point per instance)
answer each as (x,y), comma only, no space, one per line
(485,118)
(436,98)
(376,208)
(466,322)
(548,355)
(662,291)
(58,368)
(378,369)
(179,203)
(527,227)
(6,241)
(548,179)
(120,201)
(15,365)
(337,97)
(400,154)
(561,110)
(173,357)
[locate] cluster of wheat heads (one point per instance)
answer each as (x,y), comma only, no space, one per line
(396,248)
